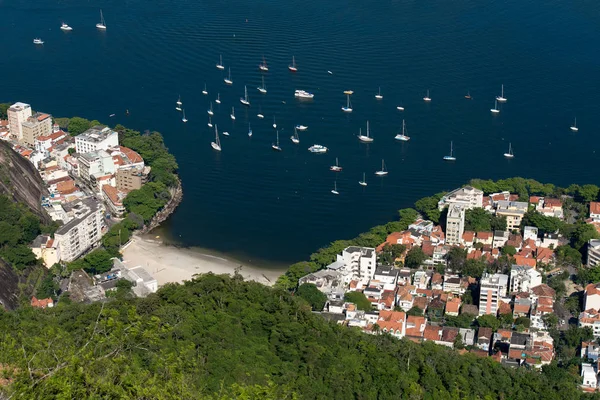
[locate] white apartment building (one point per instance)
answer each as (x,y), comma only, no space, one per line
(530,232)
(356,263)
(467,196)
(593,253)
(17,114)
(95,164)
(37,125)
(523,278)
(513,211)
(492,289)
(84,229)
(96,138)
(455,223)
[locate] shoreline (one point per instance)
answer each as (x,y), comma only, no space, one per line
(167,263)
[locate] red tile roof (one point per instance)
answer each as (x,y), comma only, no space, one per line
(41,303)
(543,290)
(594,207)
(432,333)
(534,199)
(453,305)
(520,260)
(133,156)
(468,236)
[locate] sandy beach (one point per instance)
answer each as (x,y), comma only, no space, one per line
(174,264)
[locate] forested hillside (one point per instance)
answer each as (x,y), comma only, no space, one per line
(220,338)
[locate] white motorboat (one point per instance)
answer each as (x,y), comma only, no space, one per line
(348,107)
(427,98)
(303,94)
(225,133)
(220,64)
(102,24)
(334,190)
(65,27)
(451,156)
(210,124)
(263,66)
(295,138)
(501,98)
(336,167)
(210,110)
(38,41)
(293,66)
(495,110)
(184,119)
(249,130)
(244,100)
(510,152)
(400,108)
(364,180)
(275,146)
(301,127)
(232,115)
(218,100)
(365,138)
(382,171)
(317,148)
(263,88)
(574,128)
(204,91)
(217,143)
(379,96)
(227,79)
(402,136)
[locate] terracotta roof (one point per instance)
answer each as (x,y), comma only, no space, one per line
(504,308)
(428,248)
(133,156)
(415,322)
(543,290)
(554,203)
(392,238)
(521,308)
(41,303)
(484,235)
(437,278)
(116,196)
(52,136)
(425,292)
(66,187)
(594,207)
(478,352)
(517,354)
(432,333)
(475,255)
(468,236)
(545,255)
(353,284)
(592,289)
(506,334)
(484,333)
(421,302)
(520,260)
(513,197)
(391,320)
(453,305)
(449,334)
(534,199)
(388,298)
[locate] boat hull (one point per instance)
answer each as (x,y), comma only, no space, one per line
(215,146)
(365,139)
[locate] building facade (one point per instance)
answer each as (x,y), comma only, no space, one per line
(17,114)
(492,289)
(96,138)
(132,178)
(455,223)
(467,196)
(523,278)
(513,211)
(35,126)
(95,164)
(593,253)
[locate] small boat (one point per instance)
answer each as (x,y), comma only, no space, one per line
(225,133)
(336,167)
(329,72)
(274,123)
(348,92)
(468,96)
(402,136)
(205,92)
(249,130)
(379,96)
(295,139)
(574,128)
(220,64)
(210,110)
(65,27)
(495,110)
(210,124)
(263,66)
(334,190)
(364,180)
(317,148)
(303,94)
(427,98)
(244,100)
(260,115)
(365,138)
(184,119)
(263,88)
(348,108)
(501,98)
(232,115)
(382,171)
(218,100)
(275,146)
(301,127)
(293,67)
(228,80)
(111,115)
(38,41)
(400,108)
(510,152)
(451,156)
(179,103)
(217,143)
(102,24)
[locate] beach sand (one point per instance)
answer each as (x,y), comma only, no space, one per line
(174,264)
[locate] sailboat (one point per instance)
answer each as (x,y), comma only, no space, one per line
(217,143)
(263,88)
(205,92)
(334,190)
(295,138)
(336,167)
(232,115)
(427,98)
(495,110)
(263,66)
(379,96)
(275,146)
(402,136)
(293,67)
(260,114)
(451,156)
(468,96)
(400,108)
(348,108)
(218,100)
(510,152)
(244,100)
(220,64)
(274,123)
(501,98)
(210,124)
(364,180)
(249,130)
(102,24)
(363,138)
(184,119)
(574,128)
(210,110)
(227,79)
(381,172)
(301,127)
(179,103)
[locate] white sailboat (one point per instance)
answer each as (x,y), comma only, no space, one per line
(275,146)
(210,124)
(400,108)
(217,143)
(334,190)
(249,130)
(102,24)
(364,180)
(263,66)
(348,108)
(295,138)
(179,103)
(402,136)
(382,171)
(495,110)
(227,79)
(365,138)
(210,110)
(260,114)
(451,156)
(244,100)
(501,98)
(184,119)
(293,67)
(427,98)
(65,27)
(220,64)
(379,96)
(510,152)
(336,167)
(205,92)
(274,123)
(232,115)
(218,100)
(263,88)
(574,128)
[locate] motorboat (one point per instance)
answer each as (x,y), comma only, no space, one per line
(317,148)
(38,41)
(303,94)
(65,27)
(301,127)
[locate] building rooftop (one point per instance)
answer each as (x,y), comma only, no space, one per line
(18,106)
(96,134)
(81,209)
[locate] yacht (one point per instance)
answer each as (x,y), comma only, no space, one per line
(574,128)
(295,139)
(210,110)
(317,148)
(210,124)
(217,143)
(379,96)
(184,119)
(402,136)
(263,65)
(334,190)
(336,167)
(382,171)
(501,98)
(495,110)
(65,27)
(301,127)
(275,146)
(293,67)
(365,138)
(348,108)
(303,94)
(263,88)
(244,100)
(228,80)
(232,115)
(451,156)
(205,92)
(38,41)
(510,152)
(218,100)
(364,180)
(400,108)
(220,64)
(102,24)
(249,130)
(427,98)
(274,123)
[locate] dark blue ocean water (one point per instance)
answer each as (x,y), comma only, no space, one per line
(253,203)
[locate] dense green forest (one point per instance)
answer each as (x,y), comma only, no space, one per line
(219,337)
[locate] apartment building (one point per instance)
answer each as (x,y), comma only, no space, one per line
(467,196)
(523,278)
(96,138)
(132,178)
(356,263)
(455,223)
(84,229)
(492,289)
(94,165)
(39,124)
(17,114)
(513,211)
(593,253)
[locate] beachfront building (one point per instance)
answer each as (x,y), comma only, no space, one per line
(492,289)
(455,223)
(17,114)
(96,138)
(132,178)
(513,211)
(39,124)
(83,230)
(356,264)
(467,196)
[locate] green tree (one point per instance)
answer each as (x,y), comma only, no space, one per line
(582,235)
(312,295)
(488,321)
(361,301)
(474,268)
(428,206)
(414,257)
(550,320)
(543,223)
(509,250)
(78,125)
(588,193)
(458,343)
(478,220)
(3,110)
(456,258)
(415,312)
(566,256)
(523,321)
